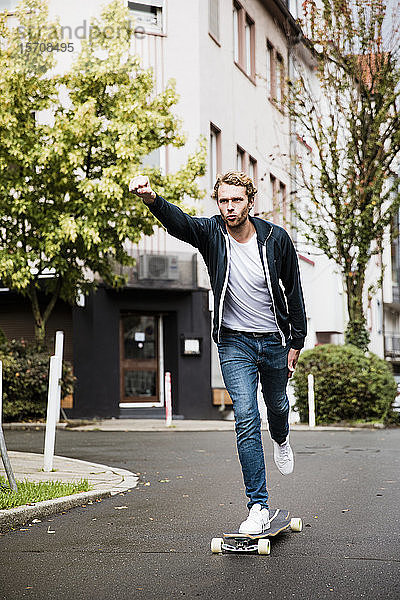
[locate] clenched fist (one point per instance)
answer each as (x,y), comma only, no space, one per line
(140,186)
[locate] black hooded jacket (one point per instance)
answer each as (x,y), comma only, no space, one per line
(278,258)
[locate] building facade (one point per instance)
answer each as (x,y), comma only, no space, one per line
(230,60)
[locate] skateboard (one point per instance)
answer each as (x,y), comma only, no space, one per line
(259,543)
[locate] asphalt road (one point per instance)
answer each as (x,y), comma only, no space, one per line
(154,541)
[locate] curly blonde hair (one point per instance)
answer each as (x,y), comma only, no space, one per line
(235,178)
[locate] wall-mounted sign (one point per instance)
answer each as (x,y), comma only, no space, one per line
(191,346)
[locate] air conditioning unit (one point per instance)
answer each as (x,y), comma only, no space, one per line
(158,266)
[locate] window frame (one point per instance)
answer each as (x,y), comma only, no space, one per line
(244,55)
(280,214)
(240,152)
(279,79)
(216,133)
(159,29)
(275,76)
(214,33)
(269,69)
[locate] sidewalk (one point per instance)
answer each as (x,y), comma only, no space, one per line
(177,425)
(105,481)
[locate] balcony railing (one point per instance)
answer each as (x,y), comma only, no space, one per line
(396,294)
(392,345)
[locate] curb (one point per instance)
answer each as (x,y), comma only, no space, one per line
(158,425)
(38,426)
(12,518)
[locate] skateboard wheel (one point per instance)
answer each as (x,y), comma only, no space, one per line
(264,546)
(296,524)
(216,545)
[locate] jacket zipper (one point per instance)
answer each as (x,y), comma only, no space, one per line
(268,278)
(222,297)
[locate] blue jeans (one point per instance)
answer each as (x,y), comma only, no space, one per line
(244,358)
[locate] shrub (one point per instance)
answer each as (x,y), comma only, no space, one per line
(25,381)
(349,385)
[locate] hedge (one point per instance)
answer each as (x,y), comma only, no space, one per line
(349,385)
(25,380)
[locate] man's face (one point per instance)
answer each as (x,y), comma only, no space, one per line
(233,204)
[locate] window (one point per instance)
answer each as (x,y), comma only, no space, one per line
(272,181)
(9,5)
(253,169)
(246,163)
(240,166)
(156,159)
(270,62)
(279,79)
(275,75)
(148,14)
(215,154)
(236,39)
(213,18)
(292,5)
(279,201)
(243,40)
(247,31)
(282,203)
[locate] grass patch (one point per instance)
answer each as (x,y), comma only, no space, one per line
(30,492)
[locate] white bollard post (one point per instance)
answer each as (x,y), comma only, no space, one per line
(1,392)
(51,420)
(59,348)
(168,400)
(311,401)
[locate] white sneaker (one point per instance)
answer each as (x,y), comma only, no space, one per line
(283,457)
(257,521)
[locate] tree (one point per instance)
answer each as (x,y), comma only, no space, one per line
(351,178)
(69,143)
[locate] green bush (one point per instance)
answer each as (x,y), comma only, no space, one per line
(25,381)
(349,385)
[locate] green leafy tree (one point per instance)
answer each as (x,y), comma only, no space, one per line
(351,177)
(69,143)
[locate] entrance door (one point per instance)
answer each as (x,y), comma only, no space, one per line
(139,362)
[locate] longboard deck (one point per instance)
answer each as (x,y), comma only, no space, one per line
(279,519)
(246,543)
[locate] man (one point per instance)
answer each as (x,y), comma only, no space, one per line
(259,319)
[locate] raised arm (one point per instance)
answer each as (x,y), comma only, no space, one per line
(193,230)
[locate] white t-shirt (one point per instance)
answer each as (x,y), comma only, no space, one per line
(247,304)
